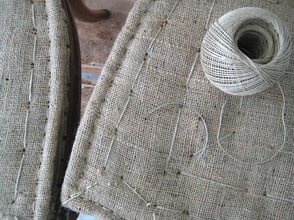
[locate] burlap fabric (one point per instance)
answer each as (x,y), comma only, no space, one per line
(140,149)
(37,111)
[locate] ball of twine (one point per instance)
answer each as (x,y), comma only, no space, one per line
(246,51)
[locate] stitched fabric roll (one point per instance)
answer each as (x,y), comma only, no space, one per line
(158,141)
(38,78)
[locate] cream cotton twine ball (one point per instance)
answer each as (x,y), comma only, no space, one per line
(246,51)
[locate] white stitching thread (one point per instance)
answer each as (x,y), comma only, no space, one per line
(209,15)
(134,84)
(280,198)
(265,160)
(135,191)
(180,112)
(28,104)
(214,182)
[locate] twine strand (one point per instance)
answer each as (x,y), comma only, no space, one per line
(173,138)
(135,192)
(265,160)
(205,144)
(209,15)
(281,198)
(213,181)
(28,104)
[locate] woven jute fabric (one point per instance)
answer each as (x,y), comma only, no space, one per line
(140,150)
(36,115)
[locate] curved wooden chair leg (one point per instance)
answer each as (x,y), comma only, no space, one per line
(83,13)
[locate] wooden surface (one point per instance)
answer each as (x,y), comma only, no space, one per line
(96,41)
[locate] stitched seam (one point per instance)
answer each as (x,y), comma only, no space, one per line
(28,106)
(135,82)
(118,64)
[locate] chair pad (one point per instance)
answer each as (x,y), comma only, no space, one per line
(37,118)
(139,151)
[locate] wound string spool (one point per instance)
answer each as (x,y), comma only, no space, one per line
(246,51)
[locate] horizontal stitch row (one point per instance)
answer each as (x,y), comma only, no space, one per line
(214,182)
(280,198)
(187,49)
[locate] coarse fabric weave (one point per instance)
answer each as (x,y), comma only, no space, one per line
(140,150)
(37,111)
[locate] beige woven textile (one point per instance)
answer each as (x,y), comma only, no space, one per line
(140,149)
(35,111)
